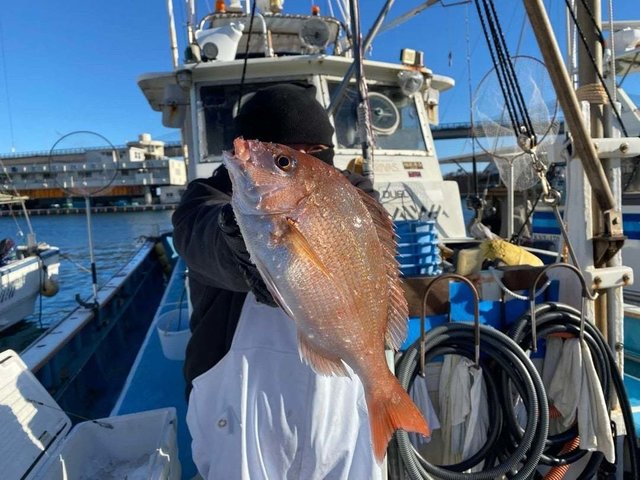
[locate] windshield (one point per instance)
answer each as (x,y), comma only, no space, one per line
(394,119)
(219,107)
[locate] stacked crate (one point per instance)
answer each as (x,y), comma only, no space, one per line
(418,252)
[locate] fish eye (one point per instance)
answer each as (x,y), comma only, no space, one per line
(284,163)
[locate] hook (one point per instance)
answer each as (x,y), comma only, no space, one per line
(532,300)
(476,314)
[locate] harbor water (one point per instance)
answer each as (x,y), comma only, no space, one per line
(116,238)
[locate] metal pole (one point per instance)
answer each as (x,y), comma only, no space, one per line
(172,34)
(352,68)
(94,274)
(587,76)
(567,98)
(364,122)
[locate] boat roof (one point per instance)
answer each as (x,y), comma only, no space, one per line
(273,68)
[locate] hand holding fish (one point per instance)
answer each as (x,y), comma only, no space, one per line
(326,251)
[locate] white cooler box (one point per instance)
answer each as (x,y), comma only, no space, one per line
(35,441)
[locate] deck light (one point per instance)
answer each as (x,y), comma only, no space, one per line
(410,82)
(314,34)
(183,78)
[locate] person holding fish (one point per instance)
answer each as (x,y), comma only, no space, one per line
(285,367)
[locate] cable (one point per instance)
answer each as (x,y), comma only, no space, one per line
(246,53)
(499,354)
(554,317)
(505,71)
(593,60)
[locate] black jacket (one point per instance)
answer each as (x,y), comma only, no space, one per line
(217,285)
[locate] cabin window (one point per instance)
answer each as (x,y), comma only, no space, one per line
(219,107)
(394,119)
(631,175)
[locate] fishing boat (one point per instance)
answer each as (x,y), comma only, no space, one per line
(26,271)
(489,316)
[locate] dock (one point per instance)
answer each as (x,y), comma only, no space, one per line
(82,210)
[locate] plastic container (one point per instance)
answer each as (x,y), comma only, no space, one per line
(138,446)
(418,253)
(38,441)
(174,333)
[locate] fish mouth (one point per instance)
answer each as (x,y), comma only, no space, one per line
(248,194)
(236,161)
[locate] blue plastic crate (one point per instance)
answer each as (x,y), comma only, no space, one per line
(417,251)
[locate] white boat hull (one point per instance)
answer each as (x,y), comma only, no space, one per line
(21,281)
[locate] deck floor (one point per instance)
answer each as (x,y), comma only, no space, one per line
(158,382)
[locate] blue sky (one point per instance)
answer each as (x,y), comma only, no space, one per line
(72,65)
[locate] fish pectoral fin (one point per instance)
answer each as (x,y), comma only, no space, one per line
(320,363)
(302,247)
(273,288)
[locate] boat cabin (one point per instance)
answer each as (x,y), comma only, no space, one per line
(202,96)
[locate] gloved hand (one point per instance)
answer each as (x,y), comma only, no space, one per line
(361,182)
(233,238)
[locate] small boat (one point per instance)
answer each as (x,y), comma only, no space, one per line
(26,272)
(489,316)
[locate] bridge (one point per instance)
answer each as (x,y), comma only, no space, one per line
(450,131)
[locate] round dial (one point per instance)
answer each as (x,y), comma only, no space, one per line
(385,117)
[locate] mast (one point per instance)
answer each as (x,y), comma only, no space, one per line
(599,238)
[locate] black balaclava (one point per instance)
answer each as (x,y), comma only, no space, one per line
(288,114)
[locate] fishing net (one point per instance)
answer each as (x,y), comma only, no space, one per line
(493,130)
(82,164)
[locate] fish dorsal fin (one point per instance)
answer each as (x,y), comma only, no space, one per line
(302,246)
(321,364)
(398,310)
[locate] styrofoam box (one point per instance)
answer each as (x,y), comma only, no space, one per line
(35,441)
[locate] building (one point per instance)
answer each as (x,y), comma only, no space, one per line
(143,172)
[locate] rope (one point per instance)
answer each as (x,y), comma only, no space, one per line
(593,93)
(513,294)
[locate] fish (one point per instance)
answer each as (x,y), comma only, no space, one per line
(326,251)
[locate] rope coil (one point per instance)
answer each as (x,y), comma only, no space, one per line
(593,93)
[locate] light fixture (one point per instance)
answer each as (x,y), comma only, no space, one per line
(210,51)
(183,78)
(314,34)
(410,82)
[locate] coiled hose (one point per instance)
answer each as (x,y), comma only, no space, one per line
(497,348)
(553,317)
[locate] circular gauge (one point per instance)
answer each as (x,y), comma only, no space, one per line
(385,117)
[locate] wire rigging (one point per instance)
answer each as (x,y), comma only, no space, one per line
(592,59)
(505,70)
(246,53)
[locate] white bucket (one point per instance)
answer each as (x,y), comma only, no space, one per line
(174,333)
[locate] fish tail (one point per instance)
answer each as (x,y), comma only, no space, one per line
(392,411)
